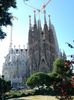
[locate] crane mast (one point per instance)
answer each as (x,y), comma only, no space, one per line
(36,9)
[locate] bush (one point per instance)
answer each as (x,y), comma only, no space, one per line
(15,94)
(39,80)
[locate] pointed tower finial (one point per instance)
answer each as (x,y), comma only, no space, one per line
(49,21)
(39,21)
(39,24)
(39,14)
(45,17)
(29,22)
(34,17)
(11,37)
(19,46)
(14,46)
(24,46)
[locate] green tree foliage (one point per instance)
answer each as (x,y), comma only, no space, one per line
(61,75)
(5,86)
(39,80)
(59,66)
(58,81)
(5,15)
(61,70)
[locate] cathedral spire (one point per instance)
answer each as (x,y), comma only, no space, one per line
(49,21)
(45,17)
(39,14)
(39,21)
(39,24)
(34,17)
(29,22)
(11,37)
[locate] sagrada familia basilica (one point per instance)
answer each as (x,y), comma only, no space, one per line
(42,51)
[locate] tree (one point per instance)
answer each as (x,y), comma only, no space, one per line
(5,86)
(59,66)
(5,16)
(62,75)
(39,80)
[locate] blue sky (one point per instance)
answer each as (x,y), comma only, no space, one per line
(62,17)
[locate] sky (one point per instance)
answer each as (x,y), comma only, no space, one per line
(62,17)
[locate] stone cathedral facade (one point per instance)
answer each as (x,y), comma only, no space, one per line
(15,67)
(43,45)
(38,57)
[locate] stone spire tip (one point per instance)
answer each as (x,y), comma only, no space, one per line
(34,17)
(45,17)
(30,22)
(49,21)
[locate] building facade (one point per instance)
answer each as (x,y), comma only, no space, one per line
(42,51)
(43,45)
(15,67)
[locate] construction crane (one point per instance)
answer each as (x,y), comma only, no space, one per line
(39,10)
(45,5)
(35,9)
